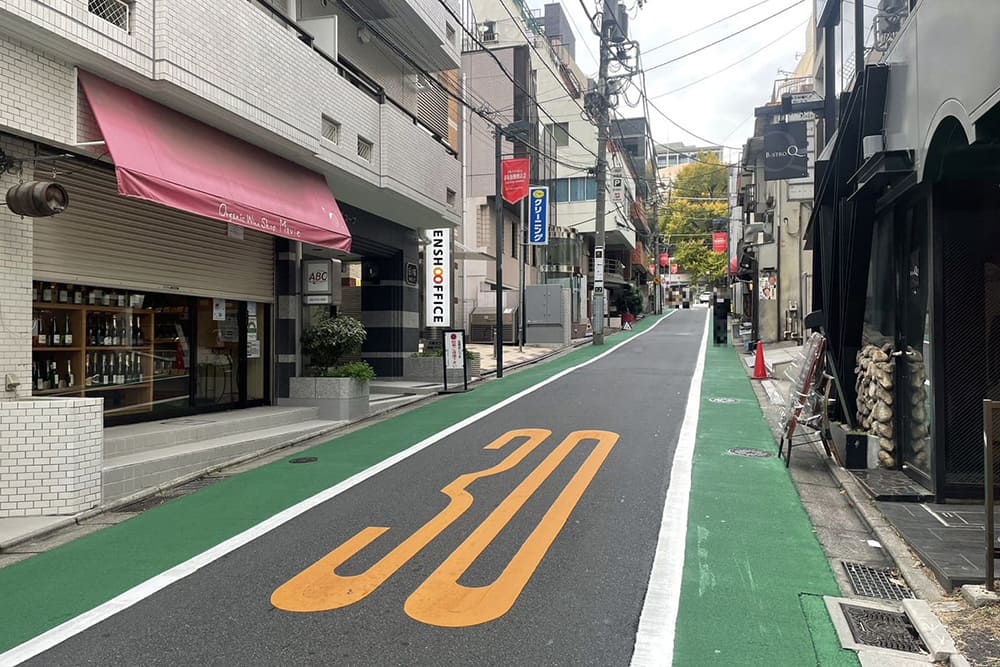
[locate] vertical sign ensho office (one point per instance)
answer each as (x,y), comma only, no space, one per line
(437,275)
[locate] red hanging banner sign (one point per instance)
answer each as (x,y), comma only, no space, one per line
(720,242)
(515,175)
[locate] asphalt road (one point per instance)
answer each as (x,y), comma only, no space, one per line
(538,553)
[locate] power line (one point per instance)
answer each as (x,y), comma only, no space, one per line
(727,37)
(706,26)
(730,66)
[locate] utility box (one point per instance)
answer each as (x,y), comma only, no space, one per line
(547,311)
(483,325)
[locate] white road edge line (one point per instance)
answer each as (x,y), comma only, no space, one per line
(654,638)
(88,619)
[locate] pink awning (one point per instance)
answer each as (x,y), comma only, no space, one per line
(165,157)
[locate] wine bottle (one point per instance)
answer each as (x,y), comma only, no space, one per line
(46,376)
(47,293)
(88,370)
(70,380)
(138,369)
(139,342)
(36,377)
(92,296)
(67,333)
(55,381)
(78,295)
(121,299)
(55,338)
(120,368)
(115,334)
(105,371)
(106,331)
(35,326)
(91,333)
(62,294)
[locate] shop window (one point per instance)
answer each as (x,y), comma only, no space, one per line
(148,355)
(880,303)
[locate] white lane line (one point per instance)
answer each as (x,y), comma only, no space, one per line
(654,639)
(74,626)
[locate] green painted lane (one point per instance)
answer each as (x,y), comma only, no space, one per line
(44,591)
(753,569)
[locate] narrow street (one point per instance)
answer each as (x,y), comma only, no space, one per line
(535,549)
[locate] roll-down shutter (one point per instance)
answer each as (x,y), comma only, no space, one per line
(104,239)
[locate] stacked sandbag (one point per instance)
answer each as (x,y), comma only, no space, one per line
(919,422)
(874,385)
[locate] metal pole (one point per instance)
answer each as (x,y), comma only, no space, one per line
(520,279)
(601,174)
(988,443)
(498,342)
(859,40)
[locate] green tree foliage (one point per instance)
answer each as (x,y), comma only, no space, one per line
(698,196)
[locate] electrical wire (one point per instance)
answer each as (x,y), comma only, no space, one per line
(730,66)
(706,26)
(727,37)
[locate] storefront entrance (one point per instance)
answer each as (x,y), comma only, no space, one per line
(149,355)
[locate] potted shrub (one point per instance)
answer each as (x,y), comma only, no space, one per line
(340,391)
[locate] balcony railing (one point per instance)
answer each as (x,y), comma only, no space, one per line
(353,74)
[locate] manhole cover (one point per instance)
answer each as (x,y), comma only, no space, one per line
(883,629)
(877,582)
(750,453)
(724,400)
(304,459)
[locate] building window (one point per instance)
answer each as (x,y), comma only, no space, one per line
(562,190)
(331,130)
(449,196)
(561,133)
(576,189)
(661,161)
(365,149)
(449,31)
(114,12)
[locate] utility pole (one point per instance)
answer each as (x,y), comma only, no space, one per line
(498,343)
(657,283)
(607,22)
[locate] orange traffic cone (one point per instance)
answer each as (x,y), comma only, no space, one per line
(759,368)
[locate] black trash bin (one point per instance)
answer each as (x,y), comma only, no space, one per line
(720,321)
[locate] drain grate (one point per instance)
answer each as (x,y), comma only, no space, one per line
(146,504)
(304,459)
(749,453)
(724,400)
(194,485)
(883,629)
(877,582)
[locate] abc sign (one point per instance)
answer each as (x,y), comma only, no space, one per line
(37,199)
(318,277)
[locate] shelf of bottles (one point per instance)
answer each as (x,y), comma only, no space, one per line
(88,341)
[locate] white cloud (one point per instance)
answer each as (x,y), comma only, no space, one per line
(721,107)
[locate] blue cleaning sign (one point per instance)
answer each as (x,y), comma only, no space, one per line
(538,216)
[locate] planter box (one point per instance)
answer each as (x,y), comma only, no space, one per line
(337,398)
(431,369)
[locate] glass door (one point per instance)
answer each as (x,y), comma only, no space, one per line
(219,354)
(914,398)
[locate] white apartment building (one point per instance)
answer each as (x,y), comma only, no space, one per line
(559,87)
(208,151)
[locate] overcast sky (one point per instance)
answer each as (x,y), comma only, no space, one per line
(720,108)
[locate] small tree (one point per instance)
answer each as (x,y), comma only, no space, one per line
(330,339)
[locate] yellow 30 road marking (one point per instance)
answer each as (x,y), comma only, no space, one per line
(319,588)
(441,600)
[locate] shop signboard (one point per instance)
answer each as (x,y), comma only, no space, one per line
(720,242)
(253,342)
(617,185)
(538,216)
(786,151)
(321,281)
(515,177)
(437,278)
(453,346)
(218,310)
